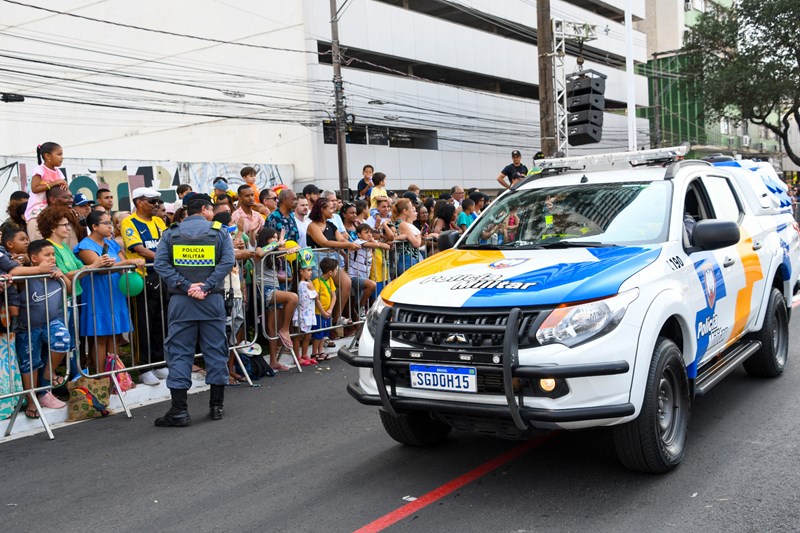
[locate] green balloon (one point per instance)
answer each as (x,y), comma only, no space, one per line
(131,283)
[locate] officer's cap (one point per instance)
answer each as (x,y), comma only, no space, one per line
(198,197)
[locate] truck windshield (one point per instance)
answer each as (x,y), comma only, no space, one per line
(585,215)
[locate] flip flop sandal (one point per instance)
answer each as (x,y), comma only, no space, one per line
(286,341)
(329,344)
(322,357)
(33,414)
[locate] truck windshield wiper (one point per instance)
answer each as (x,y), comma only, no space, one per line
(578,244)
(486,246)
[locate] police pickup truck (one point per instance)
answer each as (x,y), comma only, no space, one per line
(606,291)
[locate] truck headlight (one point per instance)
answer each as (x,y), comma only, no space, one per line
(575,324)
(373,314)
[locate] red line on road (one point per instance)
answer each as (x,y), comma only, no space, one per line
(438,493)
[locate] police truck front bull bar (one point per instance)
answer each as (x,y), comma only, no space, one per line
(510,370)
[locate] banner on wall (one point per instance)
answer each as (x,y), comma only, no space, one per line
(122,176)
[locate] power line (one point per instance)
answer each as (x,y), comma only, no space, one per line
(162,32)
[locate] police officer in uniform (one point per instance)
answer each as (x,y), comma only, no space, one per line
(193,259)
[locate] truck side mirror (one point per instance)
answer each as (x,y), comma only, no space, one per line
(448,239)
(715,234)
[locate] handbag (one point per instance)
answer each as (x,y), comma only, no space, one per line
(113,362)
(88,398)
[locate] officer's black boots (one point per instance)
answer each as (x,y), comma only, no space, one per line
(178,414)
(215,403)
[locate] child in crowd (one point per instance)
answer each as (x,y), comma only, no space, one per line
(41,321)
(268,241)
(360,265)
(46,176)
(512,225)
(249,177)
(304,316)
(326,300)
(465,217)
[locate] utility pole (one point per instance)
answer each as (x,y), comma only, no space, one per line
(544,42)
(656,102)
(341,126)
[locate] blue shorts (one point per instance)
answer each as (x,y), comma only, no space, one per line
(322,323)
(29,349)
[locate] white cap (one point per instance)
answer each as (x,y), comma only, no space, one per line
(170,207)
(145,192)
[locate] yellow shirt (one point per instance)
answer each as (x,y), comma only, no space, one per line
(325,288)
(377,272)
(375,194)
(136,230)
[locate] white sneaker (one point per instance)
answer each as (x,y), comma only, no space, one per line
(362,313)
(149,378)
(161,373)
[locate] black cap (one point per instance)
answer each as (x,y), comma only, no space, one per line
(197,197)
(411,195)
(311,189)
(188,196)
(516,153)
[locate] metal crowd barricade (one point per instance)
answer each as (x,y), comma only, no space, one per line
(23,287)
(249,302)
(269,277)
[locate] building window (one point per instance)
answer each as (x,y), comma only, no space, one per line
(383,136)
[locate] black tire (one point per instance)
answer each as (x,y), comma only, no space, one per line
(770,360)
(656,441)
(414,429)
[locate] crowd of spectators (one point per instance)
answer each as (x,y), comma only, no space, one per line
(352,250)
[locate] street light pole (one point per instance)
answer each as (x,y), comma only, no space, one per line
(341,127)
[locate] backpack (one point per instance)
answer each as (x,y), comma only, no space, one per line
(256,366)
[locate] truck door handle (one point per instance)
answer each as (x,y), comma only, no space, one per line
(728,262)
(757,246)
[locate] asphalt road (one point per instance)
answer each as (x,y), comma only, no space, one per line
(298,454)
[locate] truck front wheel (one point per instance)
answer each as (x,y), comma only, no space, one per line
(655,442)
(414,429)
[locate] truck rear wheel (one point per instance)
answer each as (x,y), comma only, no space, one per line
(414,429)
(655,442)
(770,360)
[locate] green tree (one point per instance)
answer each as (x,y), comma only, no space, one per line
(745,61)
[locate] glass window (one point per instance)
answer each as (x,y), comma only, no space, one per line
(723,200)
(599,214)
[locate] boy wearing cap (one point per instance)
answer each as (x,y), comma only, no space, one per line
(221,189)
(141,233)
(515,171)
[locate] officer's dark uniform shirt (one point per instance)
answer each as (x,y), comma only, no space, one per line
(195,226)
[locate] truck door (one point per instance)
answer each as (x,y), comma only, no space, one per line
(750,255)
(718,273)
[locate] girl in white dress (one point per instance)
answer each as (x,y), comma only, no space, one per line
(304,317)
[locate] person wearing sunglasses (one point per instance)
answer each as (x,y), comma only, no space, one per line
(141,232)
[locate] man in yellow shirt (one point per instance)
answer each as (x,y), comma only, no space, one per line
(141,233)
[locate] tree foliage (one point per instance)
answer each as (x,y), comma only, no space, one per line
(745,60)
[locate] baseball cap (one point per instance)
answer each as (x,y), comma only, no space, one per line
(144,192)
(311,189)
(80,199)
(516,153)
(411,195)
(186,197)
(221,185)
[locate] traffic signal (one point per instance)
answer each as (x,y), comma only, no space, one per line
(585,104)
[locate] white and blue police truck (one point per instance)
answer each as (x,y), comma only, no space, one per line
(606,291)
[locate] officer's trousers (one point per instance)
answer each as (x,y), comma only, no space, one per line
(191,321)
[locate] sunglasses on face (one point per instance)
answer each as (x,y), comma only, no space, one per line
(151,201)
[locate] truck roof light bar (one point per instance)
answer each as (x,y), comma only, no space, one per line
(634,158)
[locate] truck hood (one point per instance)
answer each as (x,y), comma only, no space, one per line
(509,278)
